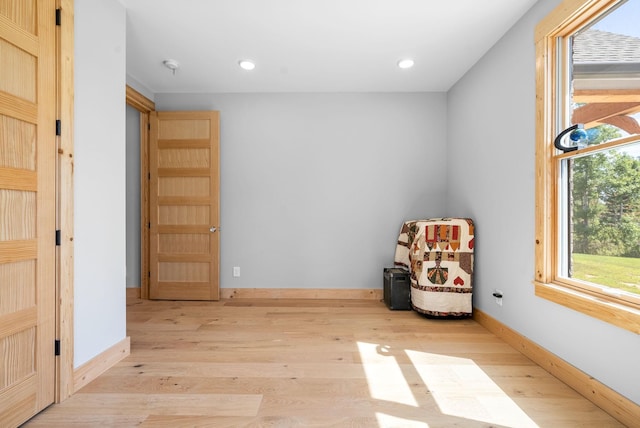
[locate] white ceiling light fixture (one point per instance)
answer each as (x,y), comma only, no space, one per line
(247,64)
(171,64)
(406,63)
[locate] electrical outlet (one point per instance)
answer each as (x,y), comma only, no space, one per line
(497,294)
(236,271)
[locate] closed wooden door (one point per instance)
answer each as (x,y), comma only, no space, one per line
(184,206)
(27,208)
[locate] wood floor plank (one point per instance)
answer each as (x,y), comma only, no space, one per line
(317,363)
(63,421)
(163,421)
(160,404)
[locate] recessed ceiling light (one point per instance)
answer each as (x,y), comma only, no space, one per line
(405,63)
(246,64)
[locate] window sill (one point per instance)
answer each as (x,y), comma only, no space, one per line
(614,313)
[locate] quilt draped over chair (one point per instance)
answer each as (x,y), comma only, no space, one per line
(438,252)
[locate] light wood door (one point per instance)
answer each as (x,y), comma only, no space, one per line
(27,208)
(184,206)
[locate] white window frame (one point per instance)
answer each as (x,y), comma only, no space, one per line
(563,21)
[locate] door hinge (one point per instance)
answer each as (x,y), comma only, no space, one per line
(58,238)
(149,274)
(149,176)
(58,16)
(58,127)
(149,126)
(57,348)
(149,225)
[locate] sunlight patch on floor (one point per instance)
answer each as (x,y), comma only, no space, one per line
(460,388)
(433,387)
(384,375)
(388,421)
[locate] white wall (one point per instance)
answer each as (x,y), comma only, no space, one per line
(491,128)
(133,197)
(99,212)
(315,187)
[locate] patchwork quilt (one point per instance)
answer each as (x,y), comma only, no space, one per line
(438,252)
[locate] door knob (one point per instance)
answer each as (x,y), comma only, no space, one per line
(213,229)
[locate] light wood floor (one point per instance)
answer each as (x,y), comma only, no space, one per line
(321,363)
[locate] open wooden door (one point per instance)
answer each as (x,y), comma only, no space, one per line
(184,206)
(27,208)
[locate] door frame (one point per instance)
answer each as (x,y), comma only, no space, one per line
(64,370)
(145,106)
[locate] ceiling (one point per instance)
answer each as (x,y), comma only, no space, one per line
(311,45)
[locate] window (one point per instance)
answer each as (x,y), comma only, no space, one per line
(588,183)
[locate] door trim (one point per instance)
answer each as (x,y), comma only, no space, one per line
(64,387)
(145,106)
